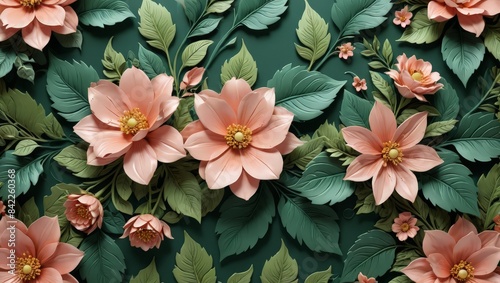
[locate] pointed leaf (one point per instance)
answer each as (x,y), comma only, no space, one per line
(303,154)
(98,13)
(352,16)
(320,276)
(243,277)
(195,52)
(437,129)
(422,30)
(151,63)
(29,212)
(193,264)
(355,110)
(219,6)
(259,14)
(114,62)
(206,26)
(446,102)
(156,25)
(74,159)
(25,147)
(240,66)
(70,40)
(183,193)
(492,39)
(27,172)
(280,268)
(193,9)
(7,59)
(147,275)
(489,194)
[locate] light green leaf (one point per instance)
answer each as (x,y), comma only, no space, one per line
(193,264)
(437,129)
(147,275)
(27,172)
(70,40)
(156,25)
(242,277)
(303,154)
(195,52)
(422,30)
(74,159)
(8,132)
(401,279)
(405,114)
(52,128)
(492,39)
(403,259)
(7,59)
(29,212)
(387,52)
(182,114)
(151,63)
(352,16)
(114,62)
(98,13)
(183,193)
(172,217)
(210,199)
(240,66)
(389,97)
(219,6)
(25,147)
(280,268)
(489,194)
(259,14)
(205,27)
(26,72)
(355,110)
(320,276)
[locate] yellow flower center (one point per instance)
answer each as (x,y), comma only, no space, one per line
(402,18)
(462,271)
(145,235)
(28,267)
(83,212)
(238,136)
(30,3)
(405,227)
(392,153)
(418,76)
(133,121)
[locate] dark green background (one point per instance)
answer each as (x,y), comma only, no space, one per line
(272,49)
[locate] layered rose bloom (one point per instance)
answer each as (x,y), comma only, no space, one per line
(459,256)
(36,19)
(84,212)
(415,78)
(127,120)
(39,256)
(146,231)
(239,137)
(469,12)
(405,225)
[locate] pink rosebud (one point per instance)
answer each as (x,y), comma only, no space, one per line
(363,279)
(402,17)
(84,212)
(192,77)
(405,226)
(145,231)
(346,50)
(359,84)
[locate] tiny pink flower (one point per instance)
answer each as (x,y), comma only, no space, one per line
(405,226)
(364,279)
(402,17)
(345,50)
(2,208)
(145,231)
(84,212)
(192,77)
(359,84)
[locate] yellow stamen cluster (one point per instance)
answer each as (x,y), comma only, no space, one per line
(133,121)
(145,235)
(28,267)
(238,136)
(391,153)
(83,212)
(417,75)
(462,271)
(405,227)
(30,3)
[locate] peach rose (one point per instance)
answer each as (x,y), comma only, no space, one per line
(84,212)
(146,231)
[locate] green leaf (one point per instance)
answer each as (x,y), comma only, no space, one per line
(489,194)
(29,212)
(193,264)
(121,204)
(403,259)
(446,102)
(114,62)
(25,147)
(210,199)
(67,85)
(124,186)
(422,29)
(151,63)
(303,154)
(259,14)
(240,66)
(147,275)
(242,277)
(8,132)
(26,72)
(195,52)
(156,25)
(401,279)
(7,59)
(492,39)
(389,97)
(320,276)
(355,110)
(113,221)
(313,33)
(323,181)
(405,114)
(280,268)
(193,9)
(219,6)
(302,92)
(74,159)
(463,52)
(182,115)
(437,129)
(372,253)
(183,193)
(205,27)
(477,137)
(387,52)
(98,13)
(27,172)
(103,261)
(52,128)
(352,16)
(242,223)
(70,40)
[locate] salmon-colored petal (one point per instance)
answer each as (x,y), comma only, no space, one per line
(215,114)
(472,23)
(437,241)
(6,33)
(192,128)
(492,277)
(461,228)
(466,246)
(164,103)
(274,132)
(50,15)
(49,275)
(421,158)
(362,140)
(383,184)
(162,86)
(290,143)
(192,77)
(233,92)
(364,167)
(89,127)
(440,265)
(485,260)
(92,159)
(439,12)
(140,162)
(10,3)
(5,276)
(411,131)
(201,169)
(224,170)
(406,183)
(70,22)
(17,17)
(470,11)
(36,35)
(255,111)
(45,231)
(490,7)
(108,102)
(68,278)
(166,109)
(110,142)
(139,90)
(167,143)
(490,238)
(262,164)
(65,258)
(140,135)
(206,145)
(245,187)
(382,122)
(419,269)
(24,244)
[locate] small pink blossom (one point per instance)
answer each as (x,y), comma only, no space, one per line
(364,279)
(192,77)
(145,231)
(359,84)
(2,208)
(402,17)
(496,219)
(345,50)
(405,226)
(84,212)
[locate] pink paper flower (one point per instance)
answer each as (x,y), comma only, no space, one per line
(127,120)
(39,256)
(36,19)
(415,77)
(240,137)
(192,77)
(345,50)
(469,12)
(405,226)
(402,17)
(84,212)
(459,256)
(146,231)
(2,208)
(389,153)
(359,84)
(363,279)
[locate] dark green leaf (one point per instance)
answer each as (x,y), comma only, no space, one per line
(29,212)
(70,40)
(113,221)
(446,102)
(492,39)
(210,199)
(27,172)
(151,63)
(194,9)
(98,13)
(259,14)
(355,110)
(7,59)
(489,194)
(303,154)
(403,259)
(352,16)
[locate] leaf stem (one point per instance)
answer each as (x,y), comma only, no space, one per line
(218,48)
(330,51)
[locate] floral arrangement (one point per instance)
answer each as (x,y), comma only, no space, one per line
(382,165)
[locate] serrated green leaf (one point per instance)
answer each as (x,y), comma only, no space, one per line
(193,9)
(313,225)
(113,221)
(193,264)
(74,159)
(437,129)
(183,193)
(422,29)
(463,53)
(52,128)
(156,25)
(147,275)
(353,16)
(401,279)
(492,39)
(151,63)
(280,268)
(182,114)
(98,13)
(219,7)
(27,172)
(389,97)
(121,204)
(206,26)
(29,212)
(210,199)
(242,277)
(25,147)
(302,92)
(124,186)
(320,276)
(240,66)
(403,259)
(259,14)
(355,110)
(303,154)
(114,62)
(7,59)
(446,102)
(70,40)
(195,52)
(372,253)
(242,223)
(488,195)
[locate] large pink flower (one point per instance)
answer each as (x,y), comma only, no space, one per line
(239,137)
(127,120)
(145,231)
(459,256)
(37,19)
(469,12)
(38,256)
(389,153)
(415,77)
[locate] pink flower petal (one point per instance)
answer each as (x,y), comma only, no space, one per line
(68,278)
(110,142)
(36,35)
(192,128)
(166,109)
(406,183)
(167,144)
(49,275)
(411,131)
(262,164)
(215,114)
(421,158)
(108,102)
(275,132)
(17,17)
(420,270)
(245,187)
(440,265)
(50,15)
(6,33)
(466,246)
(490,238)
(383,184)
(362,140)
(162,86)
(439,12)
(490,7)
(233,92)
(255,111)
(224,170)
(382,122)
(44,232)
(201,169)
(206,145)
(10,3)
(472,23)
(138,89)
(461,228)
(65,258)
(289,144)
(437,241)
(70,22)
(89,127)
(92,159)
(363,168)
(485,260)
(140,162)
